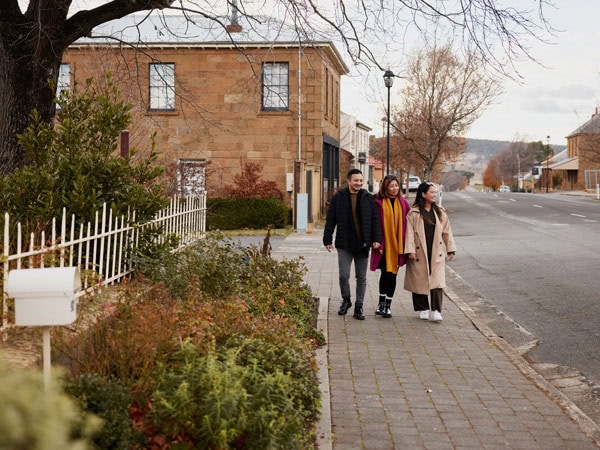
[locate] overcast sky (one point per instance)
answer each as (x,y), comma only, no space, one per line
(549,101)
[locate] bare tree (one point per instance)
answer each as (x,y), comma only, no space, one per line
(589,149)
(444,95)
(32,41)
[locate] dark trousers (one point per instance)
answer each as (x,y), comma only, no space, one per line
(421,301)
(387,284)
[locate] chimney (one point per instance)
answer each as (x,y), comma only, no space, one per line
(234,26)
(595,112)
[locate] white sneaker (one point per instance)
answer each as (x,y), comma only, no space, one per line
(436,316)
(424,315)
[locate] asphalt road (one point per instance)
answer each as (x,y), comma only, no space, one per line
(536,259)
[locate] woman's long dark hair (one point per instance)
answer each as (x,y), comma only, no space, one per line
(420,201)
(385,184)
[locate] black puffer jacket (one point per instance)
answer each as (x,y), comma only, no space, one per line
(339,215)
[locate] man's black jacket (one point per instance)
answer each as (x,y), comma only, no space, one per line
(339,214)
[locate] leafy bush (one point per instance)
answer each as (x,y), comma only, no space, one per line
(216,298)
(109,400)
(232,214)
(217,403)
(248,184)
(220,268)
(215,265)
(276,356)
(35,418)
(73,164)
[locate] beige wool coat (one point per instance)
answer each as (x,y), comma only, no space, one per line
(417,278)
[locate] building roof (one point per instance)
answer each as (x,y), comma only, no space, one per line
(363,126)
(162,30)
(375,162)
(567,164)
(592,126)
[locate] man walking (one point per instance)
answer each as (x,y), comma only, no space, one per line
(352,210)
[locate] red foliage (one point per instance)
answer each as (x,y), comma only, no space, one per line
(248,184)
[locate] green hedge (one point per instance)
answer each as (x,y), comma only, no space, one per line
(233,214)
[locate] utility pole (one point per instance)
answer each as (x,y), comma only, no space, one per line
(547,162)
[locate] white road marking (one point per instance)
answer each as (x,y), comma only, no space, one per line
(538,206)
(578,215)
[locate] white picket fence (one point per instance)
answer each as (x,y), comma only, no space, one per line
(102,250)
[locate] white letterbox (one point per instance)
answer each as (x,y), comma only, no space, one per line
(44,297)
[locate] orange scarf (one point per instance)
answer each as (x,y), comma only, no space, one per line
(392,233)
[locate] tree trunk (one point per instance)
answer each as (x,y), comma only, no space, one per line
(28,66)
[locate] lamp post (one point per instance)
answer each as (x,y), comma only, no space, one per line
(388,79)
(547,162)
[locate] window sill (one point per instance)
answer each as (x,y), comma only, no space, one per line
(159,112)
(275,113)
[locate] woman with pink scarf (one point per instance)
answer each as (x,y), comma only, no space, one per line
(392,209)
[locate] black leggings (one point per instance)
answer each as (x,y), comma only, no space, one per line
(387,284)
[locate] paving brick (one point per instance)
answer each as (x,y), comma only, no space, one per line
(403,383)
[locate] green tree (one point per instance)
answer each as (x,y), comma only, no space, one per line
(73,164)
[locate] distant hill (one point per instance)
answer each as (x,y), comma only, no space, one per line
(479,152)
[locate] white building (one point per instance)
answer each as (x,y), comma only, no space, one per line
(354,139)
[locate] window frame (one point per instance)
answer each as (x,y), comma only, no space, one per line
(161,89)
(271,91)
(63,80)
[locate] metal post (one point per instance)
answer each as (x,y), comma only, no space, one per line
(387,154)
(388,78)
(124,143)
(547,163)
(46,355)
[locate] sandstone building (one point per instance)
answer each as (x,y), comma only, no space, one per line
(218,95)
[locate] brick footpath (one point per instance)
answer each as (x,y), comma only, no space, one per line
(405,383)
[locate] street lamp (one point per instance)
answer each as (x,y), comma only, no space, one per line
(388,79)
(547,162)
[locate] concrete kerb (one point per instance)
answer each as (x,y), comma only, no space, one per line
(323,430)
(589,427)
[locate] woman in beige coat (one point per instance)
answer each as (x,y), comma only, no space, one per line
(428,241)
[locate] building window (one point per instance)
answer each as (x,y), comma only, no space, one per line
(336,104)
(275,86)
(162,87)
(326,93)
(191,176)
(63,83)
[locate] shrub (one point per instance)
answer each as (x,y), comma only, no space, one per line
(275,356)
(35,418)
(248,184)
(109,400)
(217,403)
(216,298)
(73,164)
(232,214)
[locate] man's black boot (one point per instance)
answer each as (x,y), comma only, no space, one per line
(358,311)
(345,306)
(381,306)
(387,313)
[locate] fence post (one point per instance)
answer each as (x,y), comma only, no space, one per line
(106,247)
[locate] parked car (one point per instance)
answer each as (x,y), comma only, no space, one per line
(413,183)
(504,188)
